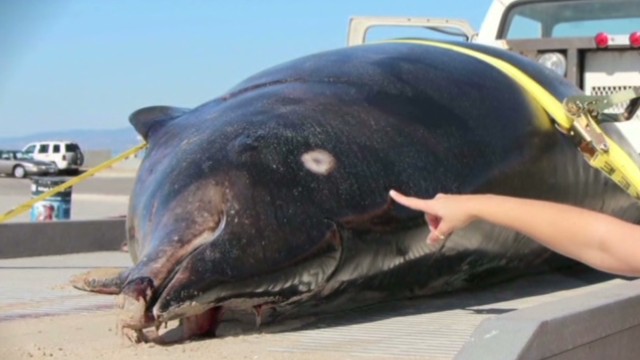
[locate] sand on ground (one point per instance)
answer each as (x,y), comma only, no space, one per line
(95,337)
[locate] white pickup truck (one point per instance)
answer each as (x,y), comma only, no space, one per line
(593,43)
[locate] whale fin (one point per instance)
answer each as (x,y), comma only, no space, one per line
(146,118)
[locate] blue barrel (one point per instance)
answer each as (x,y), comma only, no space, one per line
(57,207)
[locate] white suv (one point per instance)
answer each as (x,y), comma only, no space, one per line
(65,154)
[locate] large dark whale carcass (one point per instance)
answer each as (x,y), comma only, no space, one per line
(275,194)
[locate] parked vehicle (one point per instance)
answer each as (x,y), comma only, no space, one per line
(592,43)
(17,164)
(67,155)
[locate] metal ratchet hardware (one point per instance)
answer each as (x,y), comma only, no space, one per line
(584,112)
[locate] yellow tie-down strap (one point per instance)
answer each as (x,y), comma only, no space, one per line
(74,181)
(614,162)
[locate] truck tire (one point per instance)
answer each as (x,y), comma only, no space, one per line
(80,157)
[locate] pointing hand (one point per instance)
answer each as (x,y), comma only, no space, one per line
(444,213)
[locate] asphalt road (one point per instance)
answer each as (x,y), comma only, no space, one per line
(97,185)
(103,196)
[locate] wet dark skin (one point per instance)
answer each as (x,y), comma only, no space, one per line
(598,240)
(273,197)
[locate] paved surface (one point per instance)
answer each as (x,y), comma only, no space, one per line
(106,184)
(106,195)
(36,287)
(433,328)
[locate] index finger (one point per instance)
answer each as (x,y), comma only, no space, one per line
(410,202)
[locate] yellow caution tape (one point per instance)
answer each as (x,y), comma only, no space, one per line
(74,181)
(614,162)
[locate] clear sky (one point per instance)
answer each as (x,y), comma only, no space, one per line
(87,64)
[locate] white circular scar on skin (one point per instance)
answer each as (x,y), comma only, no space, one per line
(318,161)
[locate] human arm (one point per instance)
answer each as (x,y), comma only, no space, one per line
(598,240)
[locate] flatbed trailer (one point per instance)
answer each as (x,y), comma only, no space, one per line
(578,314)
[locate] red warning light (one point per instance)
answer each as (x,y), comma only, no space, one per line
(634,39)
(602,40)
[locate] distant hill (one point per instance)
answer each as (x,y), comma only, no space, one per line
(116,140)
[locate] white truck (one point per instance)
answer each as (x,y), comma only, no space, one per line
(595,44)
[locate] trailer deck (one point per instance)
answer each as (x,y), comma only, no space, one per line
(36,289)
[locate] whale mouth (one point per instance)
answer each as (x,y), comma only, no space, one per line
(140,293)
(140,322)
(201,325)
(201,317)
(201,314)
